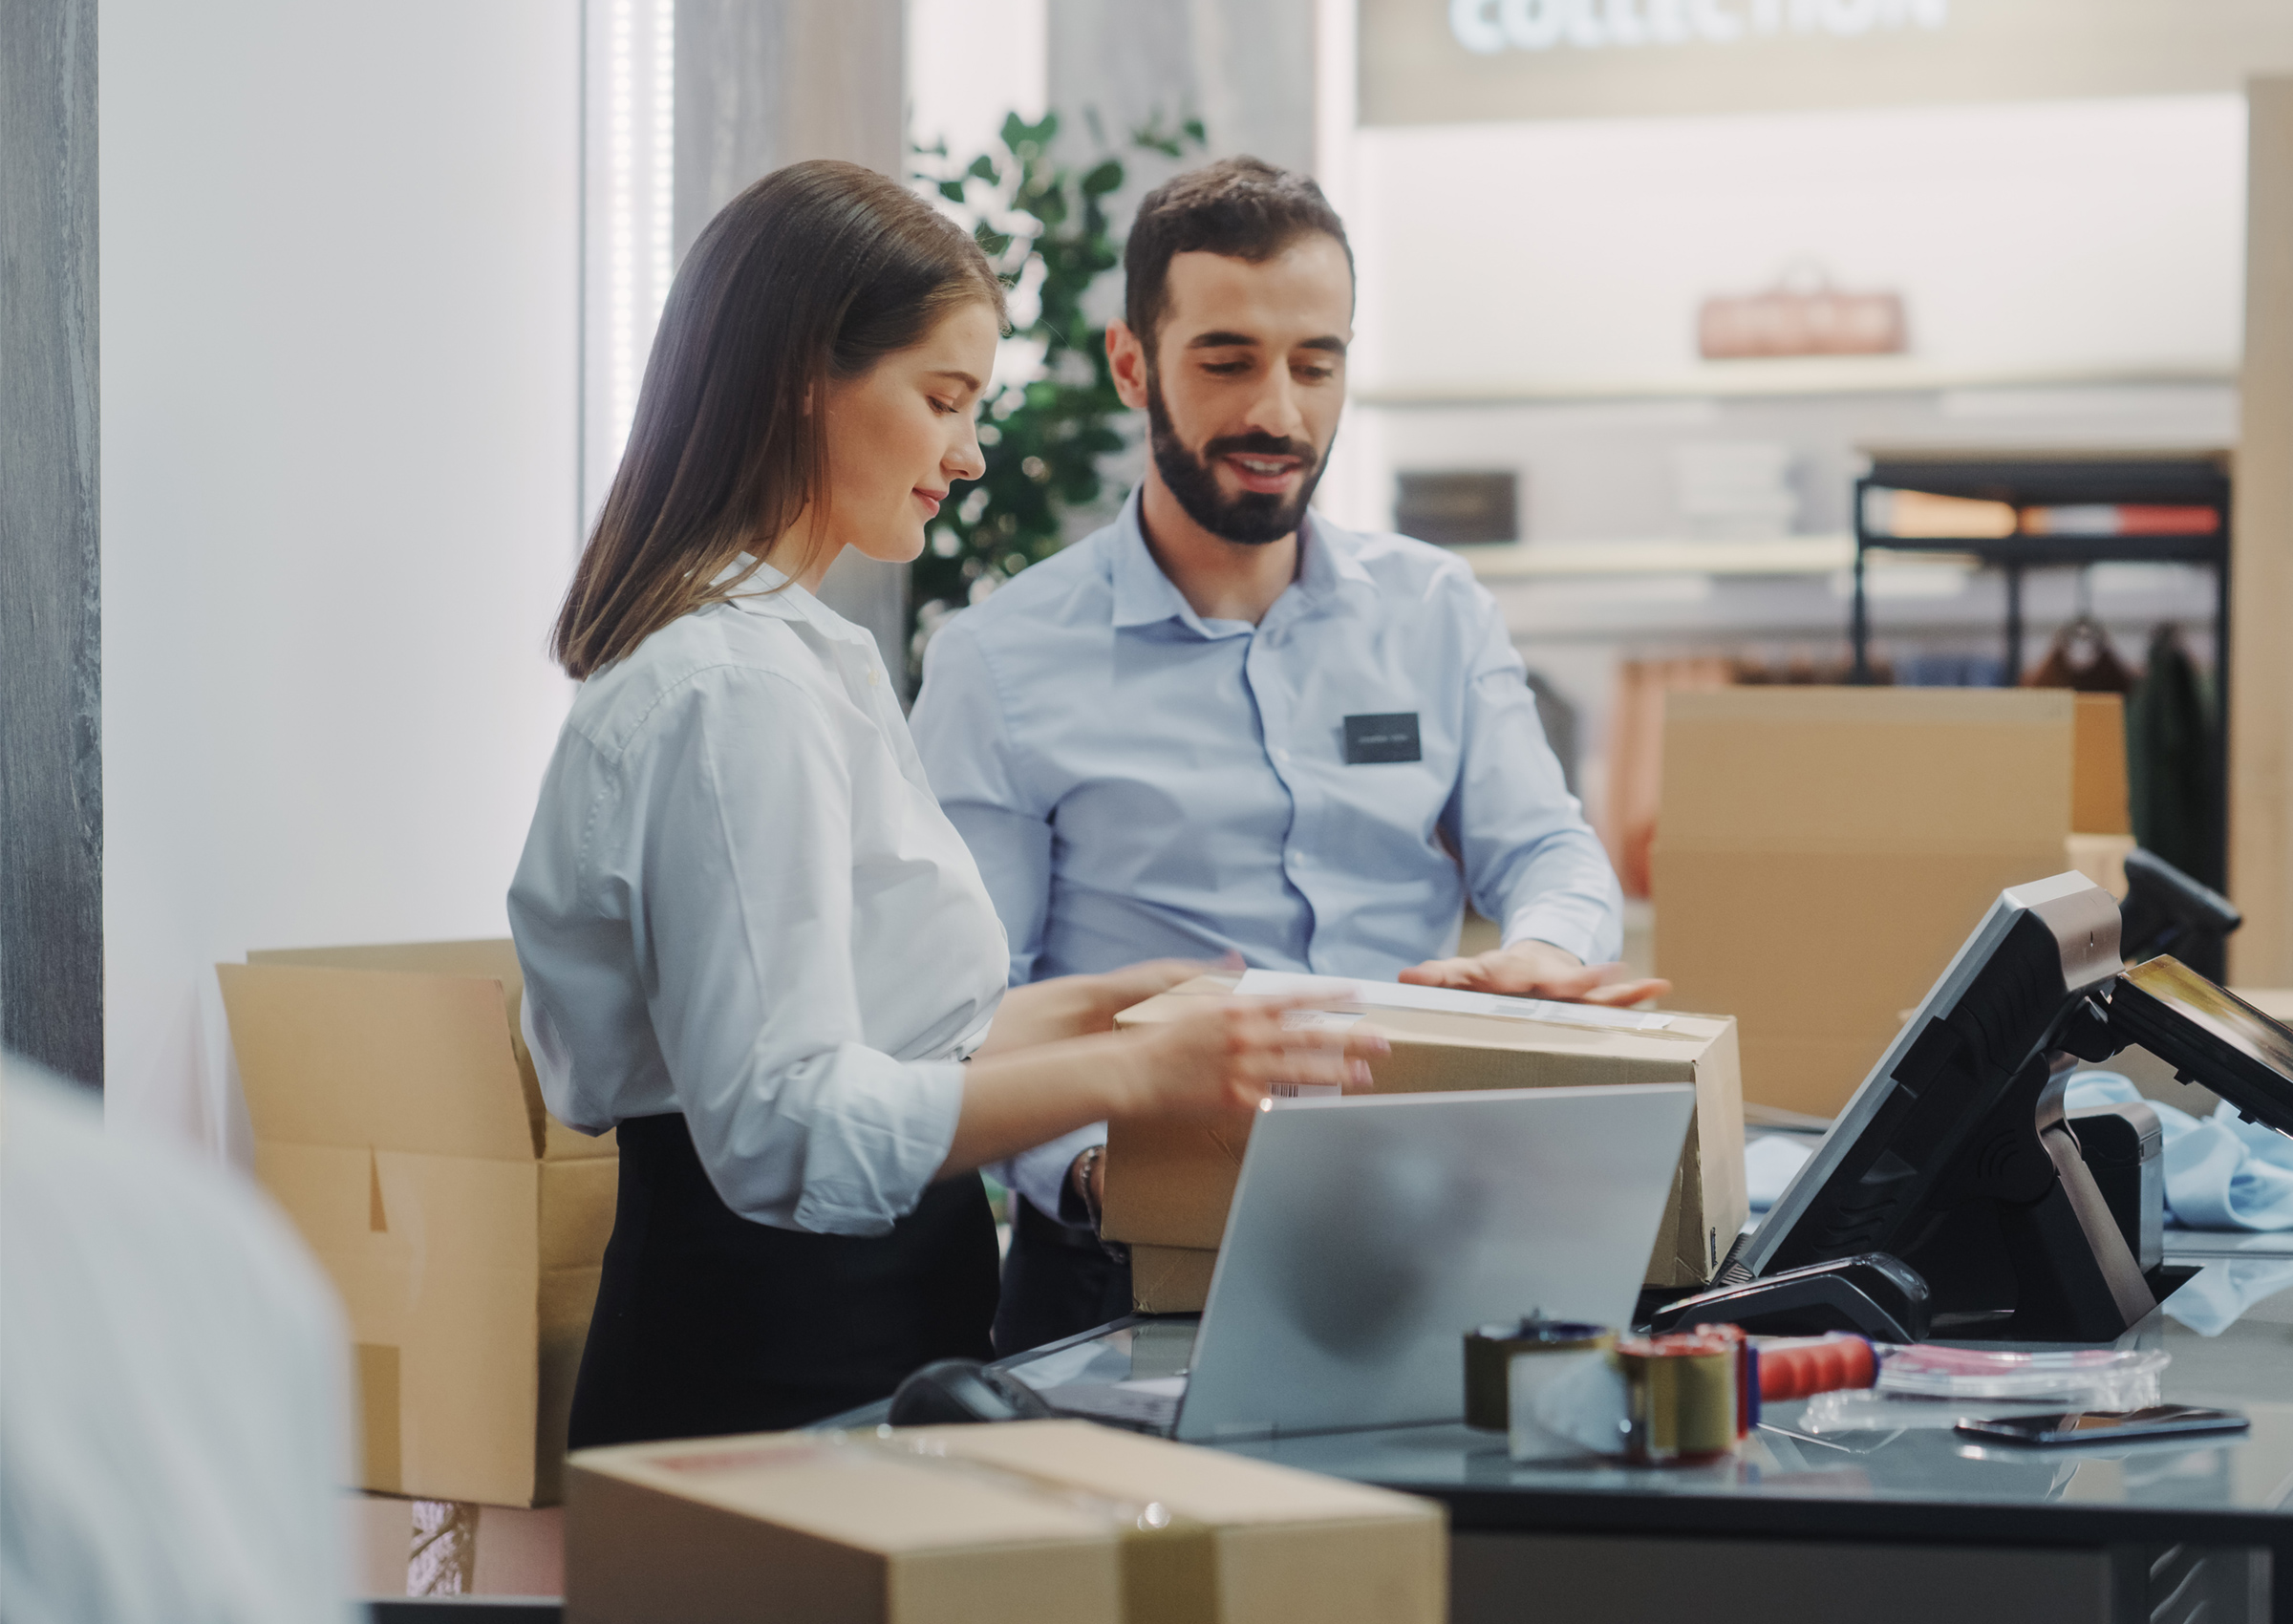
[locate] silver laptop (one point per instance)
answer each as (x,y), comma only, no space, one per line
(1368,1234)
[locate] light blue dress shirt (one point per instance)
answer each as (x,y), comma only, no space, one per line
(1138,782)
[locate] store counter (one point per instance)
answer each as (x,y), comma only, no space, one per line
(1912,1522)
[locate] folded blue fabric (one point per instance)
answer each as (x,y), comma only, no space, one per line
(2225,1288)
(2221,1171)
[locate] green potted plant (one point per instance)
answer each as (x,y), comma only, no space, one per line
(1049,418)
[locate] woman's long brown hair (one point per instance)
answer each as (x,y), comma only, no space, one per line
(816,272)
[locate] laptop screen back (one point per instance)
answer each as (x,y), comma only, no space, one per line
(1368,1234)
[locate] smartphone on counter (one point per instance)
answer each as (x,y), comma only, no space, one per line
(2103,1426)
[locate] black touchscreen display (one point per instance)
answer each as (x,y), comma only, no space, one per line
(2213,1037)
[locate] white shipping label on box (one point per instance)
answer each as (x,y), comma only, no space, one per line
(1314,1020)
(1320,1020)
(1446,1000)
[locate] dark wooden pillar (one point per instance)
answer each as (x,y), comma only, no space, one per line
(51,717)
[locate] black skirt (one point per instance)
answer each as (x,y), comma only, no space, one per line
(708,1323)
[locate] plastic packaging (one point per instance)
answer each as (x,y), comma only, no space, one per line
(1861,1409)
(2103,1378)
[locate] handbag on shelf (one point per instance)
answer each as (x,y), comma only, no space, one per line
(1801,315)
(2082,659)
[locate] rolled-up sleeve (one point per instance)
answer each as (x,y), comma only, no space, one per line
(738,870)
(969,757)
(1531,863)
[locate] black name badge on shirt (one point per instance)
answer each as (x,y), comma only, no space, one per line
(1389,737)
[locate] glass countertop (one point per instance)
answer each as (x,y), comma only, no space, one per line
(2230,1331)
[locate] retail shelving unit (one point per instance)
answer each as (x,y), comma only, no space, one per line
(1781,555)
(2101,480)
(2028,480)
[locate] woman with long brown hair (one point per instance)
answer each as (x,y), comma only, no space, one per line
(751,940)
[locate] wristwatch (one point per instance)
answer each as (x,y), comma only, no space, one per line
(1083,1175)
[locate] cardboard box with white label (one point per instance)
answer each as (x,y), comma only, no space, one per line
(398,1121)
(1031,1522)
(1169,1183)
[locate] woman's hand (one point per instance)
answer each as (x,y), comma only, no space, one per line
(1225,1055)
(1232,1053)
(1134,984)
(1076,1006)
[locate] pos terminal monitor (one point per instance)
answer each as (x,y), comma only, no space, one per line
(1955,1155)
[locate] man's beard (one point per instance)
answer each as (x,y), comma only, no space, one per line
(1253,518)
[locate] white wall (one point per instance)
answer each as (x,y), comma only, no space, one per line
(971,62)
(2049,238)
(339,341)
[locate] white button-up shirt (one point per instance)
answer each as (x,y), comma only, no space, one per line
(740,901)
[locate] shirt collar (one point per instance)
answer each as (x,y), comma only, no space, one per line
(770,592)
(1331,558)
(1144,596)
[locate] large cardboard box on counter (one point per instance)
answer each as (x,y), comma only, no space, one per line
(1169,1183)
(1031,1522)
(1821,852)
(397,1120)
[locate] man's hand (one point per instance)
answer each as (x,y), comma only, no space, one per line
(1537,969)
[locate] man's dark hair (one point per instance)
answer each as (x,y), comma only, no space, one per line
(1242,208)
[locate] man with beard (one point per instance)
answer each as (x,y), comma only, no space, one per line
(1226,727)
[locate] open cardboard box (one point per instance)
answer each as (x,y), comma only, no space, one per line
(398,1121)
(1821,852)
(454,1548)
(1169,1183)
(1032,1523)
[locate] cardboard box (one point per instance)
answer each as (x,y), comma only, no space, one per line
(1169,1183)
(455,1547)
(1170,1280)
(1029,1523)
(1821,852)
(2099,803)
(397,1120)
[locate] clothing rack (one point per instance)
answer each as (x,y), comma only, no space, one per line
(2026,480)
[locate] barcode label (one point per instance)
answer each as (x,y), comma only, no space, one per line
(1320,1020)
(1305,1091)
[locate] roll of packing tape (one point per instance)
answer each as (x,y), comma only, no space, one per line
(1568,1402)
(1747,1373)
(1490,1350)
(1686,1396)
(1682,1395)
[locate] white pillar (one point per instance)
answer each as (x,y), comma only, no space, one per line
(1246,68)
(766,83)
